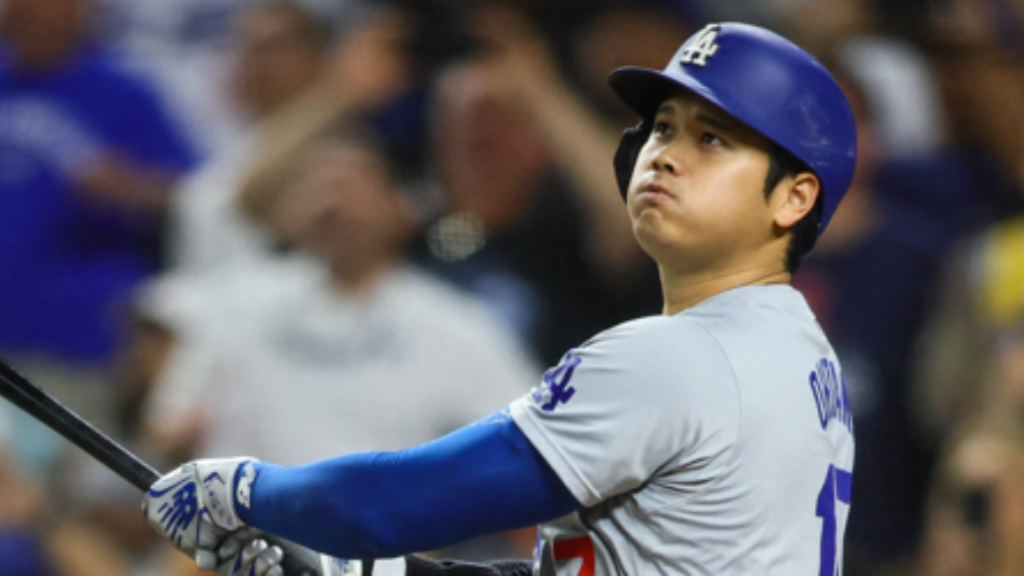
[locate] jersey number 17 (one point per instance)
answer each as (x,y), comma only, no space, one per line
(837,487)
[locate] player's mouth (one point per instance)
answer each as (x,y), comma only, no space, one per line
(654,190)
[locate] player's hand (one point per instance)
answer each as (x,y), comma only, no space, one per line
(251,552)
(250,555)
(194,506)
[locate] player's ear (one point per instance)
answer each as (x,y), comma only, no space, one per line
(795,198)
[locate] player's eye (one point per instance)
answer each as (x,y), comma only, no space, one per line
(661,128)
(710,139)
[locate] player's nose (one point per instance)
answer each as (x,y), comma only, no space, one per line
(663,161)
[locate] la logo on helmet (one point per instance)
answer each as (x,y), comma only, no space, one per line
(702,46)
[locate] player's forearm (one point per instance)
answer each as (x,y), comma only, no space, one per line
(479,480)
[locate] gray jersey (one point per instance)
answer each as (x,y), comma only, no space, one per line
(716,441)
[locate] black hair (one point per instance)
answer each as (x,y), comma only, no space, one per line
(782,164)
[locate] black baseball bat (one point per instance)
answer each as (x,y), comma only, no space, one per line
(62,420)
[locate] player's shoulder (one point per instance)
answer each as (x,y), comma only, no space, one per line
(770,309)
(746,300)
(650,328)
(705,333)
(654,345)
(648,366)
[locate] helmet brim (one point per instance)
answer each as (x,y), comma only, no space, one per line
(643,90)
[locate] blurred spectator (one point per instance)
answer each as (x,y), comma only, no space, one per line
(903,93)
(976,508)
(186,47)
(528,220)
(37,536)
(518,69)
(898,79)
(869,282)
(976,46)
(87,155)
(339,348)
(336,343)
(282,50)
(981,298)
(291,76)
(21,505)
(622,34)
(979,54)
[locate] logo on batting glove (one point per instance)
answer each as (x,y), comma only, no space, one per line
(244,491)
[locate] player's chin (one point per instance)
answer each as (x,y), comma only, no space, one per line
(654,217)
(646,212)
(654,234)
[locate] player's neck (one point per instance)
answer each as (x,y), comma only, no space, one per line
(683,290)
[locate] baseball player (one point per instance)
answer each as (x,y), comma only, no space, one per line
(715,438)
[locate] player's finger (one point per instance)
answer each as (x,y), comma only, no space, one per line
(209,534)
(229,548)
(276,569)
(253,550)
(268,559)
(234,543)
(206,559)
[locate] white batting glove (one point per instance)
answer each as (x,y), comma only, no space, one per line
(194,506)
(266,555)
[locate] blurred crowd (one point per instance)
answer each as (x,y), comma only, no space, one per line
(299,228)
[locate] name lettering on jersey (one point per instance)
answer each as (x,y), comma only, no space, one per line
(829,390)
(555,389)
(701,47)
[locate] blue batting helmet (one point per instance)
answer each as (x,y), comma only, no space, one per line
(762,80)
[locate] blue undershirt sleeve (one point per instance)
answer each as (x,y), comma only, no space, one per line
(478,480)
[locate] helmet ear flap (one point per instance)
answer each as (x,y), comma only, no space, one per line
(632,141)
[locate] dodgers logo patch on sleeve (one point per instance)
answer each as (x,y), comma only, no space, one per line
(555,389)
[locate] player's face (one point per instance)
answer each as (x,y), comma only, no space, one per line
(696,199)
